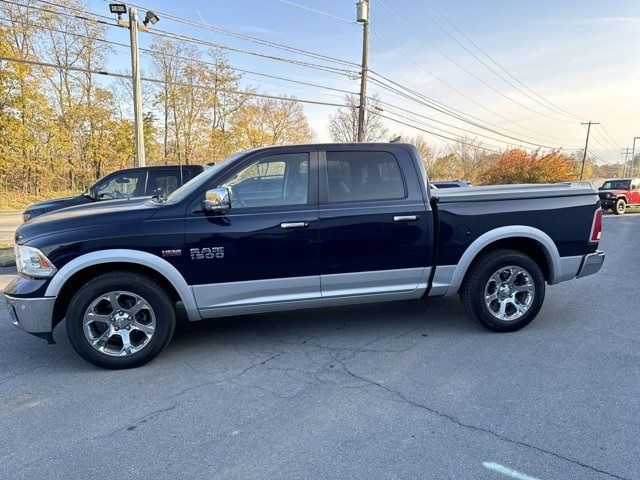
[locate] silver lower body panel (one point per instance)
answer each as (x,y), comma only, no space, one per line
(257,296)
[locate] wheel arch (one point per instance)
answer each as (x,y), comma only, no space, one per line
(529,240)
(75,273)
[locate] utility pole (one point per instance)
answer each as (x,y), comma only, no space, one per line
(586,145)
(150,18)
(363,17)
(137,88)
(633,156)
(627,168)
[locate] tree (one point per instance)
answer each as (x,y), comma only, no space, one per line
(518,166)
(343,125)
(469,157)
(589,165)
(269,121)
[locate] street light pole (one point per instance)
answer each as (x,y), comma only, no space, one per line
(137,88)
(363,17)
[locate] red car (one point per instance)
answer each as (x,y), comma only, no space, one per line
(617,195)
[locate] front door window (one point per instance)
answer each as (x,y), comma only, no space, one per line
(123,185)
(271,181)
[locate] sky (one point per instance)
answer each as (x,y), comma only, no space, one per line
(582,56)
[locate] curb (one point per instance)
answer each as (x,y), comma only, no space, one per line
(7,258)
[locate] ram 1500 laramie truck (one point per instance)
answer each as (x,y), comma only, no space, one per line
(294,227)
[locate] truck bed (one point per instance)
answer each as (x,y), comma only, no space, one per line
(513,192)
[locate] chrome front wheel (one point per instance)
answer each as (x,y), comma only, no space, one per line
(119,323)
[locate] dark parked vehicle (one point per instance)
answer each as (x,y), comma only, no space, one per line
(440,184)
(294,227)
(617,195)
(127,183)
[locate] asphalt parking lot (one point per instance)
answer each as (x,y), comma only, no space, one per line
(404,390)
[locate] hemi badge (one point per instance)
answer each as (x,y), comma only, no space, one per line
(172,253)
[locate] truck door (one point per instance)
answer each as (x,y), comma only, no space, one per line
(264,250)
(374,225)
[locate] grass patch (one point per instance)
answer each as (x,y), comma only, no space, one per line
(19,201)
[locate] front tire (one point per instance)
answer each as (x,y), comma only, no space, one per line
(504,290)
(120,320)
(620,207)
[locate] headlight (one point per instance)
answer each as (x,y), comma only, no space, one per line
(26,216)
(32,262)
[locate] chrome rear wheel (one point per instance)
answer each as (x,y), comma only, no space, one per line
(509,293)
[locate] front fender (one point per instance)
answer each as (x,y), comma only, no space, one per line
(161,266)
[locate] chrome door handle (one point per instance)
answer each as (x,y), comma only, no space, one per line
(405,218)
(294,224)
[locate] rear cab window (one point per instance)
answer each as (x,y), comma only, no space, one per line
(363,176)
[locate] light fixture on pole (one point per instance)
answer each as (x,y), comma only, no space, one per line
(150,18)
(118,9)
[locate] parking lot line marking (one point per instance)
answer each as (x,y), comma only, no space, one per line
(507,471)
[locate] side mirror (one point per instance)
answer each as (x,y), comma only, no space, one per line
(217,200)
(89,193)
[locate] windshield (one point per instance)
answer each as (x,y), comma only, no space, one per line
(192,185)
(616,185)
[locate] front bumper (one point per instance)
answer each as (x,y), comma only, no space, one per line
(33,315)
(608,203)
(591,263)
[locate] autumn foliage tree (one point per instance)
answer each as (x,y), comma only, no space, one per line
(62,128)
(520,166)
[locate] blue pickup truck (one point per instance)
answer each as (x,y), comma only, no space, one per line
(295,227)
(127,183)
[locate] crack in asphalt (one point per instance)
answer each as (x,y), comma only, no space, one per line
(460,423)
(340,356)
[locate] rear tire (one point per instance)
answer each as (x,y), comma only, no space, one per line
(620,207)
(120,320)
(504,290)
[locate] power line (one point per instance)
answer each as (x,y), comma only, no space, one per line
(465,69)
(613,142)
(601,140)
(178,84)
(461,128)
(457,140)
(484,107)
(485,64)
(57,12)
(495,62)
(429,100)
(304,7)
(151,52)
(188,38)
(73,34)
(260,41)
(457,114)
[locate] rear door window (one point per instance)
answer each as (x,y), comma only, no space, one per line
(363,176)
